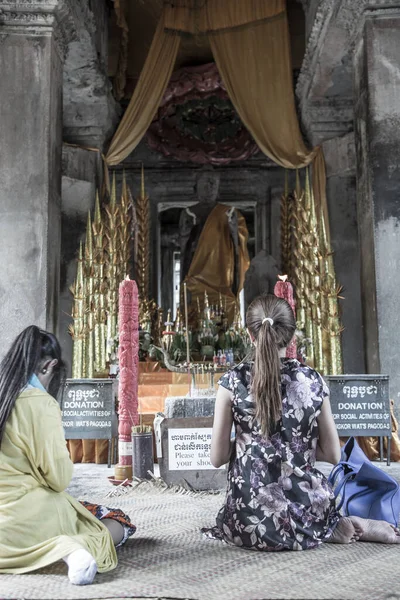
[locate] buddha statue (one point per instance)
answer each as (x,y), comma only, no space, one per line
(213,240)
(192,219)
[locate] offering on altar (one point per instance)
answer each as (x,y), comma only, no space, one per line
(168,333)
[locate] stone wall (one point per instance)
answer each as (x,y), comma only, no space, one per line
(342,205)
(30,158)
(377,119)
(90,114)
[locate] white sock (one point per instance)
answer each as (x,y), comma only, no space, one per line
(82,567)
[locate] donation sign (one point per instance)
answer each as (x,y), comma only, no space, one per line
(360,404)
(87,407)
(189,449)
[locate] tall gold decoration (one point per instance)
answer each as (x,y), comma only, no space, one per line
(100,291)
(313,279)
(148,309)
(77,330)
(101,268)
(112,267)
(331,294)
(287,224)
(299,278)
(89,302)
(143,241)
(303,236)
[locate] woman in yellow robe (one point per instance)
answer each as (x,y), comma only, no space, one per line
(40,523)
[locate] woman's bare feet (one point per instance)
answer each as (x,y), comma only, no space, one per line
(346,532)
(376,531)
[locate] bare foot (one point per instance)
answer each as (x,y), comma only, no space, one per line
(345,532)
(376,531)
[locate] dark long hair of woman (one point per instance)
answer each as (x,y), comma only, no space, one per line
(29,351)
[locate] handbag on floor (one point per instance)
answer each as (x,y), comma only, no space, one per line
(363,489)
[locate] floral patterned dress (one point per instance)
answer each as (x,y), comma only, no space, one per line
(276,499)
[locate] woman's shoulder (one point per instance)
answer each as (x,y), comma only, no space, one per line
(297,372)
(242,370)
(292,364)
(35,399)
(238,374)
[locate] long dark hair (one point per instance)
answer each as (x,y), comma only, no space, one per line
(271,322)
(29,351)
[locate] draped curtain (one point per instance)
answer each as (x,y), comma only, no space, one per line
(251,47)
(147,96)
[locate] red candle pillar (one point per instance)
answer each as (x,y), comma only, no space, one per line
(128,353)
(284,289)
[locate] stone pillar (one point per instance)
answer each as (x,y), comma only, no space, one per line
(340,161)
(33,38)
(377,125)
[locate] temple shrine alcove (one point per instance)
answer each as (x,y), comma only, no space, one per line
(196,156)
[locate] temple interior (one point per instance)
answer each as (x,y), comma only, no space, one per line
(162,164)
(207,164)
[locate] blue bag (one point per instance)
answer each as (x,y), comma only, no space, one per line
(364,490)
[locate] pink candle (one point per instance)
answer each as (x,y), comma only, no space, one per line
(284,289)
(128,353)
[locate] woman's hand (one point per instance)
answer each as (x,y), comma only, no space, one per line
(221,435)
(328,447)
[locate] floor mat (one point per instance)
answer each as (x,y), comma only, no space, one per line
(169,558)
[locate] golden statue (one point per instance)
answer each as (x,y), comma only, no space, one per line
(214,256)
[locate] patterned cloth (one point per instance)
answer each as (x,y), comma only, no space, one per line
(103,512)
(276,499)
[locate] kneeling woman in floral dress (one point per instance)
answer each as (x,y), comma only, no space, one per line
(276,498)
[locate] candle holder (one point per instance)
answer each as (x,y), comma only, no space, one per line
(142,452)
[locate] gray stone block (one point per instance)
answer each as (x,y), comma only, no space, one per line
(177,407)
(185,454)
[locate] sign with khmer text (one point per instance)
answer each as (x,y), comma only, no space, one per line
(360,404)
(189,449)
(185,454)
(87,407)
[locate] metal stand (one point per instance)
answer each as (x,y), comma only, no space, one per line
(381,457)
(112,451)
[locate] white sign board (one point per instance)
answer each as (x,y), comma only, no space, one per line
(189,449)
